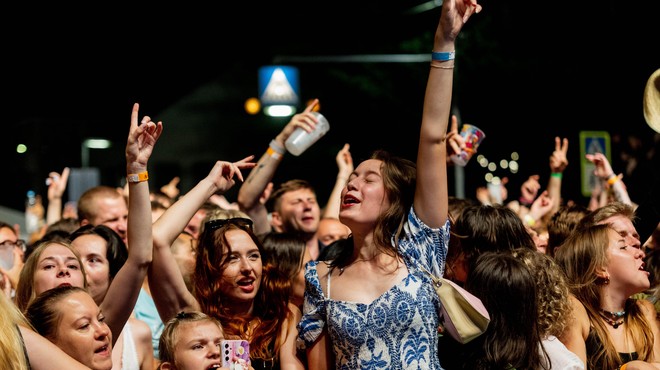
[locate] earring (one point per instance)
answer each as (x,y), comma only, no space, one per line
(607,280)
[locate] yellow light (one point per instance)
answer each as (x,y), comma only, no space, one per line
(316,108)
(21,148)
(252,106)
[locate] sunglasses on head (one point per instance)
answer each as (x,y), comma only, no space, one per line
(218,223)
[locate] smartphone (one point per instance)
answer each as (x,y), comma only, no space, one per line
(235,354)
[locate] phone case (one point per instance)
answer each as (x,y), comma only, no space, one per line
(236,354)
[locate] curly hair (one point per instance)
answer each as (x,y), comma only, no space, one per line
(552,293)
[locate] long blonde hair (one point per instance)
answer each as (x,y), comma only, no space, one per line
(12,352)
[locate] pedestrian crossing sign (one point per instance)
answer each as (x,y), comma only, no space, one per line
(592,142)
(278,85)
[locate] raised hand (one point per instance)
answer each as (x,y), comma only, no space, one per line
(344,162)
(141,140)
(223,173)
(529,189)
(171,188)
(456,13)
(558,160)
(455,142)
(57,183)
(305,120)
(603,169)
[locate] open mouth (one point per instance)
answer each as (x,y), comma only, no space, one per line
(349,199)
(214,366)
(245,282)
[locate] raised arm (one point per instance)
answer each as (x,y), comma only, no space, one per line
(45,355)
(56,187)
(123,291)
(252,189)
(558,163)
(603,170)
(431,194)
(345,165)
(166,283)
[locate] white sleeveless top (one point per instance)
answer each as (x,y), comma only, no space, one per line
(129,357)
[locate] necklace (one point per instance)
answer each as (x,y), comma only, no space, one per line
(613,318)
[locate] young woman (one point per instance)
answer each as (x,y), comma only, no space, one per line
(56,263)
(372,306)
(230,282)
(25,349)
(68,316)
(608,328)
(513,338)
(103,254)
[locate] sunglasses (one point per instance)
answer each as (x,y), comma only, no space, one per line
(218,223)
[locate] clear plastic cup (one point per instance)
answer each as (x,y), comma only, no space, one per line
(473,136)
(300,139)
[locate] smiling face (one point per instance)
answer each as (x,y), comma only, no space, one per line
(93,251)
(626,265)
(363,197)
(197,346)
(57,266)
(82,332)
(241,277)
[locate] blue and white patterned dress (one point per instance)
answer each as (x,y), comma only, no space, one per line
(399,329)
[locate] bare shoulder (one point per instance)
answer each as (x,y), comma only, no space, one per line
(140,329)
(648,309)
(295,311)
(579,316)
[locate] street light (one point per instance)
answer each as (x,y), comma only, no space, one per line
(92,143)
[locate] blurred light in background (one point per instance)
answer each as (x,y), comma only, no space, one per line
(279,90)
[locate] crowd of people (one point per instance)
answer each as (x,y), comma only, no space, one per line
(144,278)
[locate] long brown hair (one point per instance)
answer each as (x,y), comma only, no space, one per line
(399,178)
(581,256)
(270,304)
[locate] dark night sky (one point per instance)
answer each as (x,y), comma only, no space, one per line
(526,72)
